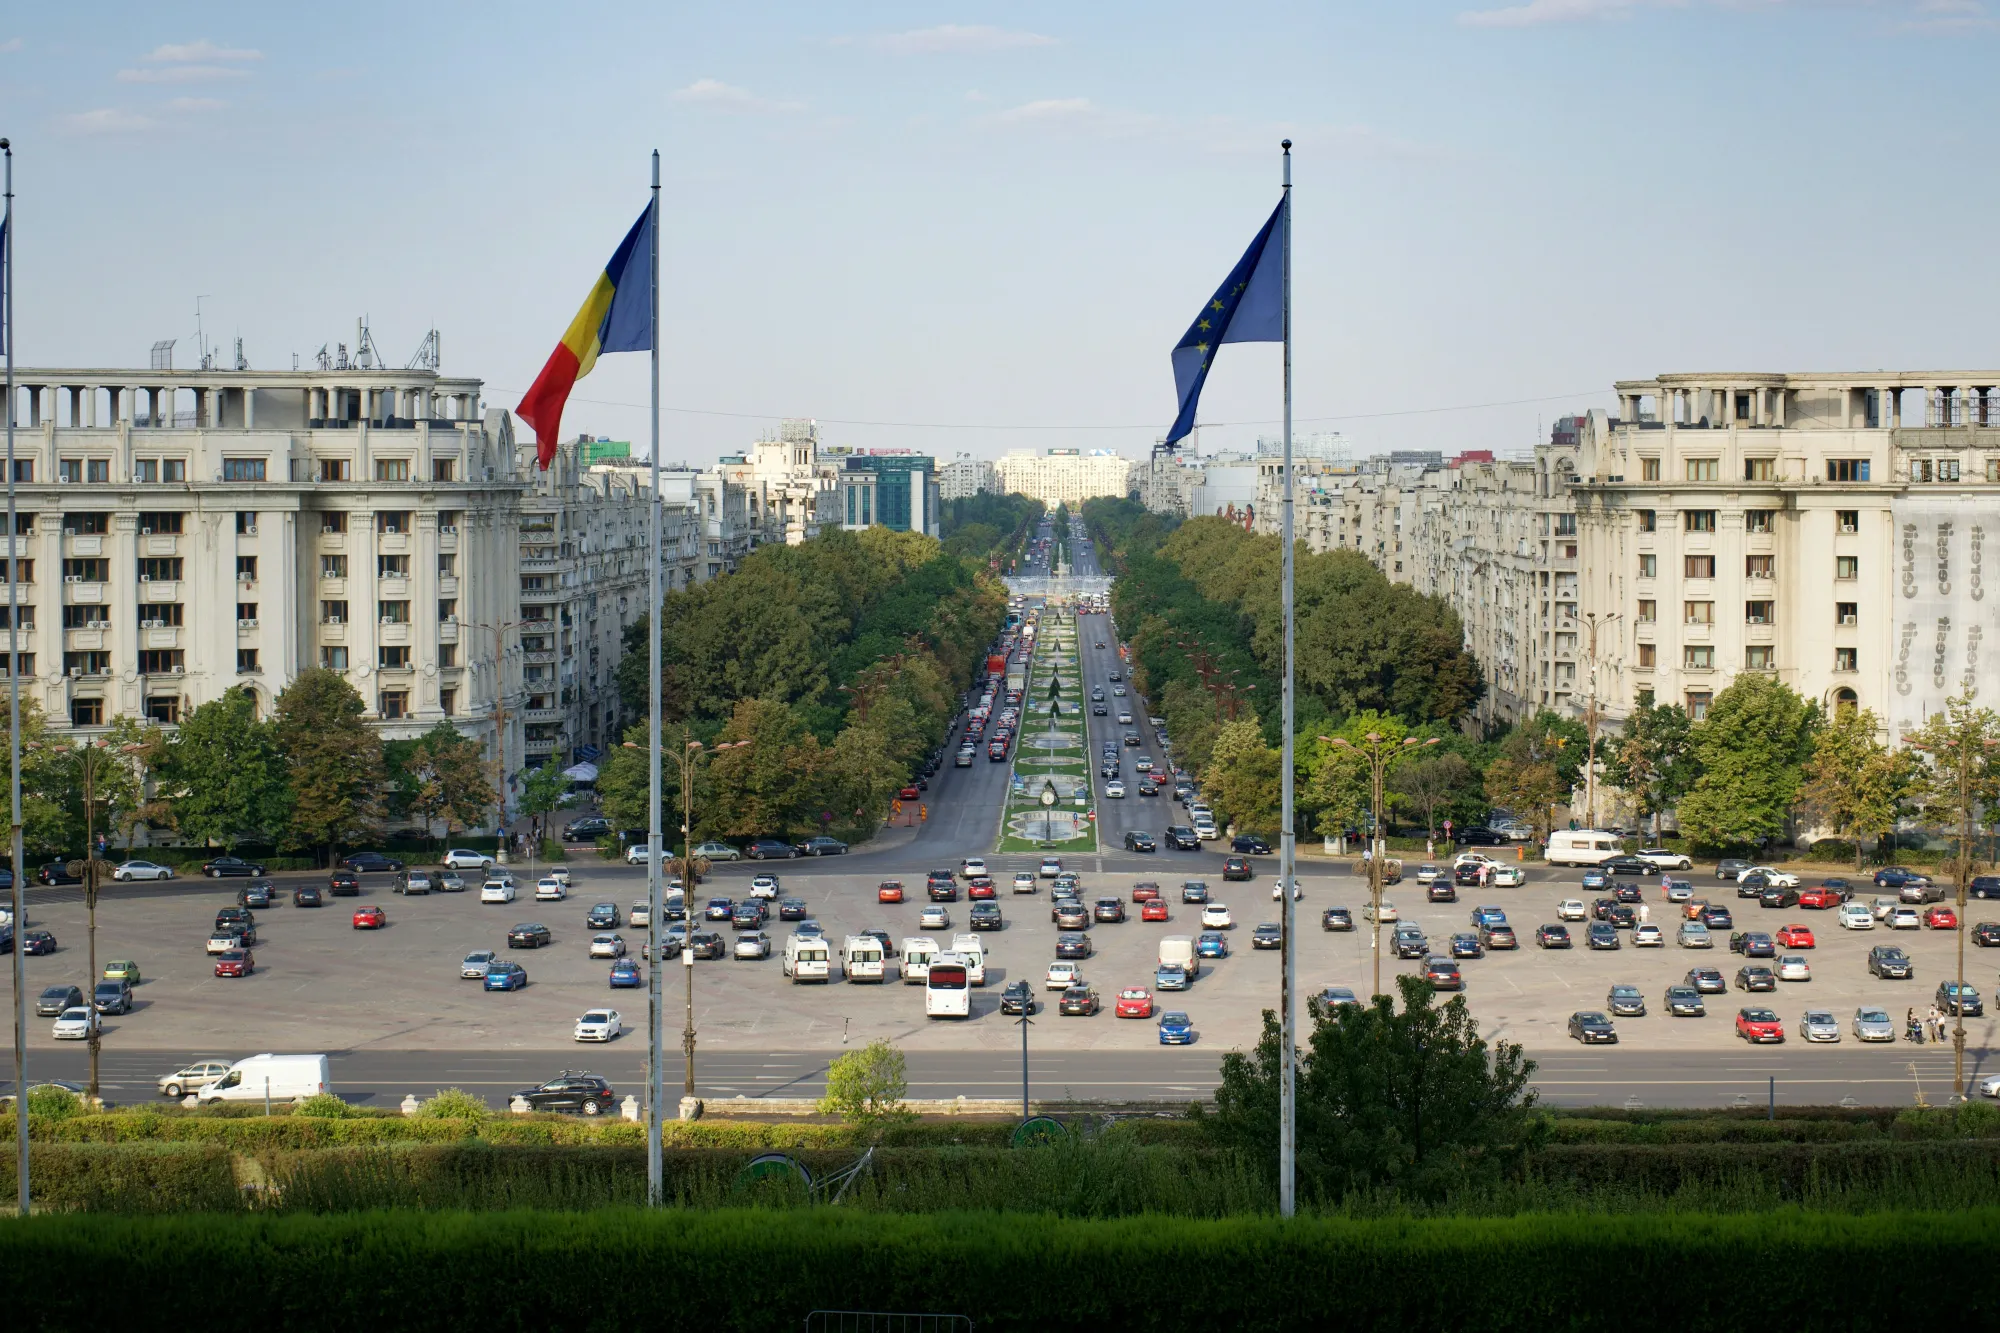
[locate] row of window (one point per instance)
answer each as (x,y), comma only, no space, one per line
(386,469)
(388,612)
(1756,657)
(390,521)
(89,712)
(386,566)
(1754,520)
(1754,612)
(1766,469)
(1846,568)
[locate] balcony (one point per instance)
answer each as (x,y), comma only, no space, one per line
(332,631)
(159,590)
(393,586)
(392,542)
(393,631)
(91,545)
(163,636)
(333,542)
(447,631)
(161,545)
(82,639)
(553,715)
(540,656)
(538,562)
(83,593)
(447,585)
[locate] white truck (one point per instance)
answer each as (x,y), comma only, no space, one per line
(806,959)
(280,1078)
(1179,949)
(972,949)
(917,952)
(861,958)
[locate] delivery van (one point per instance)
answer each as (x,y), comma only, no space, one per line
(917,951)
(281,1078)
(1179,950)
(806,958)
(861,958)
(1583,847)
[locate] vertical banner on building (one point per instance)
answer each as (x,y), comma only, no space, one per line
(1946,608)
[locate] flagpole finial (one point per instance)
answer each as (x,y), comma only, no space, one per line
(1286,145)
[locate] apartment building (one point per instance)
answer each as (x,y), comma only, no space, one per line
(889,488)
(786,492)
(1064,476)
(965,476)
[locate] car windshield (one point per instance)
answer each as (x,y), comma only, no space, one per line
(1681,993)
(1591,1018)
(1760,1016)
(1874,1016)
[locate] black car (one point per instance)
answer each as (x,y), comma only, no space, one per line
(1411,945)
(708,944)
(1098,710)
(1959,1000)
(307,895)
(113,997)
(1245,845)
(1553,937)
(1890,963)
(1108,909)
(1774,896)
(942,886)
(1181,839)
(822,846)
(1753,944)
(881,937)
(1629,894)
(1018,998)
(602,916)
(363,863)
(1986,934)
(572,1091)
(1194,891)
(791,909)
(1237,868)
(1601,936)
(747,915)
(1139,841)
(1441,891)
(344,884)
(529,935)
(585,829)
(1443,974)
(52,1001)
(1592,1027)
(34,943)
(1466,875)
(1267,935)
(1729,867)
(770,849)
(1069,914)
(1147,789)
(1600,908)
(1079,1002)
(1073,944)
(986,916)
(1631,867)
(257,894)
(1622,917)
(237,919)
(1753,885)
(1467,946)
(1336,918)
(1984,886)
(1707,980)
(1626,1002)
(1685,1002)
(1480,837)
(1756,978)
(223,866)
(58,872)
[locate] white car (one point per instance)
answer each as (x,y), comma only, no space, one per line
(475,964)
(1051,867)
(1124,719)
(1905,918)
(1648,936)
(560,873)
(1114,790)
(934,918)
(1215,916)
(635,855)
(1509,877)
(459,858)
(764,886)
(640,915)
(1388,912)
(1793,967)
(1856,916)
(1061,976)
(599,1025)
(1572,909)
(1024,882)
(1143,764)
(1427,874)
(972,865)
(497,891)
(549,889)
(1819,1025)
(607,946)
(1206,832)
(222,941)
(75,1024)
(141,870)
(1471,858)
(1278,890)
(1884,905)
(1662,859)
(753,945)
(1781,879)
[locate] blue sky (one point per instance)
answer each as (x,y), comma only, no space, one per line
(1003,217)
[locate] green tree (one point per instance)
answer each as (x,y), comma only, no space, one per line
(44,814)
(222,773)
(1430,786)
(1749,748)
(1651,761)
(1957,785)
(336,760)
(1411,1099)
(1853,783)
(867,1087)
(772,786)
(1339,779)
(542,793)
(448,779)
(1243,778)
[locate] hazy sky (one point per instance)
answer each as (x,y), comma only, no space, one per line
(1002,217)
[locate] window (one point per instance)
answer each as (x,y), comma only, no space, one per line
(447,566)
(146,469)
(86,712)
(333,521)
(23,571)
(69,469)
(246,661)
(1648,656)
(447,609)
(1847,659)
(1649,469)
(333,566)
(393,613)
(1847,469)
(333,657)
(333,613)
(1698,566)
(448,520)
(163,708)
(159,615)
(392,469)
(441,470)
(26,662)
(1649,566)
(86,571)
(162,662)
(163,570)
(1698,520)
(1565,525)
(395,703)
(1760,566)
(1697,704)
(24,472)
(80,617)
(1649,611)
(1698,657)
(393,657)
(392,566)
(24,525)
(392,520)
(173,470)
(1847,567)
(1849,520)
(448,699)
(27,616)
(534,583)
(1847,613)
(246,613)
(1698,613)
(246,523)
(1760,613)
(1649,520)
(333,469)
(1758,520)
(86,525)
(87,664)
(447,655)
(166,524)
(1703,469)
(1992,469)
(246,569)
(243,469)
(97,470)
(1759,469)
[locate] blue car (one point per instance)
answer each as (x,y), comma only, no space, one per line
(1595,878)
(1176,1029)
(506,976)
(1211,944)
(1170,976)
(1487,916)
(625,973)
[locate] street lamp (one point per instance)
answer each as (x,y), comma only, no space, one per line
(92,757)
(1966,749)
(1380,752)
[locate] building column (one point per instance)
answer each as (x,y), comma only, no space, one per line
(249,407)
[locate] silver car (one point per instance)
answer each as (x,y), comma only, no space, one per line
(754,945)
(1694,935)
(1819,1025)
(1873,1025)
(475,964)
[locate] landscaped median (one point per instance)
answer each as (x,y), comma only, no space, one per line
(1051,755)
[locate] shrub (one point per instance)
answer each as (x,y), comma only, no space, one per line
(455,1104)
(323,1106)
(54,1103)
(866,1087)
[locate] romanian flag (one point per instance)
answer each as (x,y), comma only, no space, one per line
(617,316)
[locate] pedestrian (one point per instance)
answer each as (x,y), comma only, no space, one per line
(1430,848)
(1937,1023)
(1642,913)
(1910,1028)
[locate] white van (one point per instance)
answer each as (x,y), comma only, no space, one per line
(282,1078)
(946,993)
(1179,950)
(972,950)
(1582,847)
(917,951)
(861,958)
(806,958)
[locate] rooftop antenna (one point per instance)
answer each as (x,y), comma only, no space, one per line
(242,362)
(324,358)
(428,355)
(201,339)
(295,360)
(365,355)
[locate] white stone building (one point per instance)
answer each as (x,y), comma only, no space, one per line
(1065,476)
(966,476)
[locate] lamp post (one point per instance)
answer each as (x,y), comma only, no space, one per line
(499,630)
(1590,712)
(1380,752)
(1963,750)
(91,757)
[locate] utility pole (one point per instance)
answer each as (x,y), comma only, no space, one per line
(1590,714)
(1970,746)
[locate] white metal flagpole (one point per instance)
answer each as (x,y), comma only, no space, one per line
(14,721)
(655,908)
(1288,1110)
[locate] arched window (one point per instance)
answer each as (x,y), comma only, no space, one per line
(1845,700)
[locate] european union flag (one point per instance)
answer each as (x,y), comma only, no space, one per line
(1247,308)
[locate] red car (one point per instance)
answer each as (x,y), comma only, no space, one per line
(1153,909)
(907,794)
(889,891)
(980,886)
(370,918)
(1820,896)
(1159,778)
(1135,1003)
(1759,1025)
(1795,937)
(234,963)
(1145,891)
(1941,917)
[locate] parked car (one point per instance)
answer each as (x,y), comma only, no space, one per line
(1336,918)
(822,845)
(370,918)
(363,863)
(224,866)
(1685,1002)
(1591,1027)
(131,870)
(770,849)
(464,858)
(1759,1025)
(529,935)
(54,999)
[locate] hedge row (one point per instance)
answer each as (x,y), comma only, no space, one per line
(526,1269)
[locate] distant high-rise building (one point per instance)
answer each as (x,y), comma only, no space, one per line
(893,490)
(1065,476)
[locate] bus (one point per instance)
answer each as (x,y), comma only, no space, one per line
(947,992)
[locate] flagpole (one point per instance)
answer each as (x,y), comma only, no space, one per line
(1288,1110)
(655,908)
(14,714)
